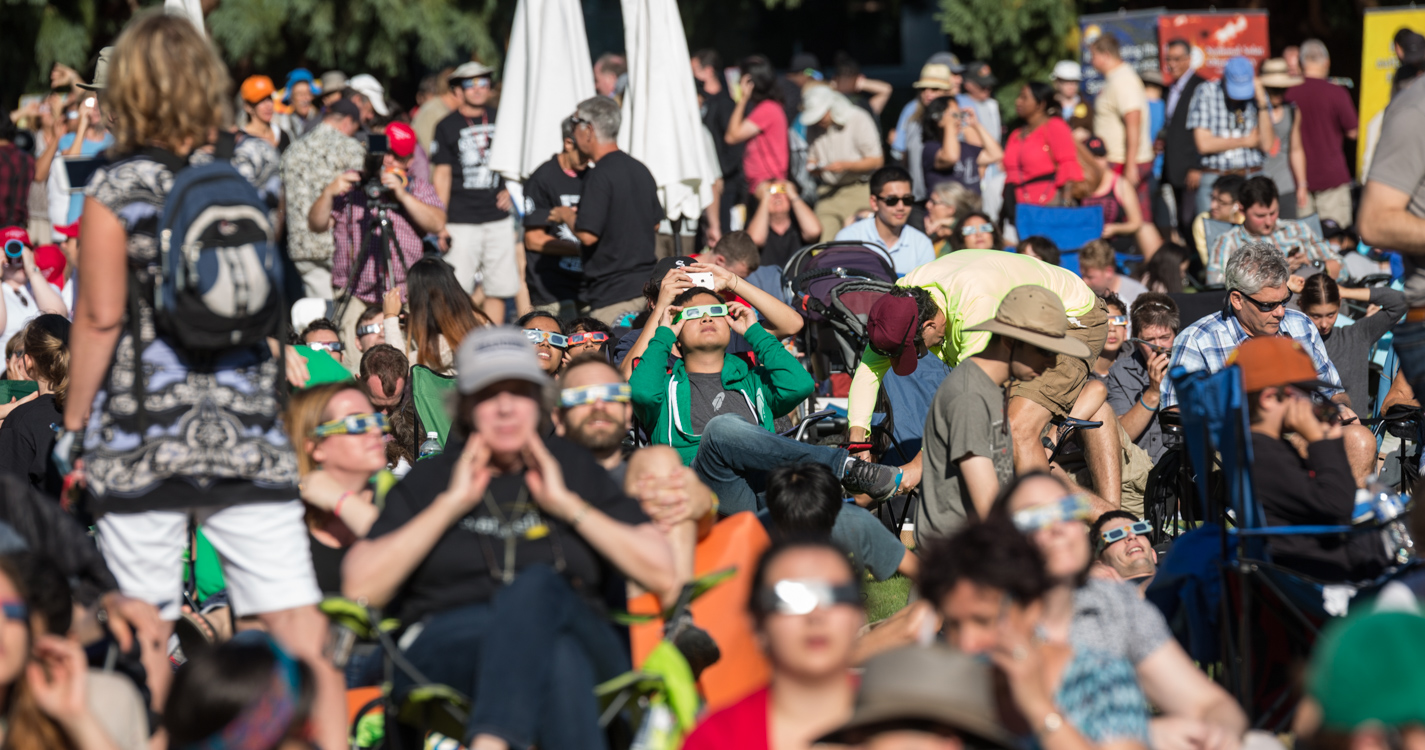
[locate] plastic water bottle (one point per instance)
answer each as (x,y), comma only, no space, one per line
(431,447)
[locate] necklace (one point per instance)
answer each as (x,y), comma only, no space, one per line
(539,530)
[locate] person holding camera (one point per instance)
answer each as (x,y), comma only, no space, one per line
(1301,488)
(26,292)
(364,264)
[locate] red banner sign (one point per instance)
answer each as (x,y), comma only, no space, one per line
(1216,38)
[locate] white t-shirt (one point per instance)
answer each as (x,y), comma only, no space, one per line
(20,309)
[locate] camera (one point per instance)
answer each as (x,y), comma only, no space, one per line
(376,150)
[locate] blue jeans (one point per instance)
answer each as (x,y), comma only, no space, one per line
(528,659)
(733,448)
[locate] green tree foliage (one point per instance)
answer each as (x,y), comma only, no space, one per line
(1020,39)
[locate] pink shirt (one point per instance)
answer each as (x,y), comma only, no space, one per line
(767,153)
(1041,162)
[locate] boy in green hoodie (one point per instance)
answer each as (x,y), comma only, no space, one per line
(718,412)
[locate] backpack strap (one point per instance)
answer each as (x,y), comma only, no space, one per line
(225,146)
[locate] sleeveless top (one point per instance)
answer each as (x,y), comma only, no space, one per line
(1277,164)
(1112,209)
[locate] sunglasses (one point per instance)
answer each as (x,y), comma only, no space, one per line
(613,393)
(1139,528)
(326,346)
(353,424)
(973,229)
(591,337)
(557,340)
(368,329)
(701,311)
(15,610)
(804,595)
(475,83)
(896,200)
(1265,307)
(1073,507)
(1118,320)
(576,121)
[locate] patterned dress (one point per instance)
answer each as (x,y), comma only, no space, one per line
(211,433)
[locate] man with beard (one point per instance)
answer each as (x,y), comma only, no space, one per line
(1121,540)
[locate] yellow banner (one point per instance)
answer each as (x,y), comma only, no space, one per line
(1378,64)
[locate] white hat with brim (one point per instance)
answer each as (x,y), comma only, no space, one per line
(1036,316)
(367,85)
(816,102)
(470,70)
(1068,70)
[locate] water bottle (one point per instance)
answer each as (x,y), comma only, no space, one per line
(431,447)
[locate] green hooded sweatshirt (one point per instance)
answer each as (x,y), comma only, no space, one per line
(772,389)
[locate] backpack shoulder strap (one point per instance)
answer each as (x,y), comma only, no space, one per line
(225,146)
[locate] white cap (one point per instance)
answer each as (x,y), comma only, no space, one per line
(308,309)
(1068,70)
(367,85)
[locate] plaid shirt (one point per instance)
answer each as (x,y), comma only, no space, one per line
(351,225)
(1209,111)
(17,171)
(1288,235)
(1206,344)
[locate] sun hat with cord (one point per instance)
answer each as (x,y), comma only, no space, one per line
(934,76)
(1370,669)
(931,689)
(1036,316)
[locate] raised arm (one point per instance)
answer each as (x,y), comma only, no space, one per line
(780,320)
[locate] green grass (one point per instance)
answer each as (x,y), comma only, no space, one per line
(885,598)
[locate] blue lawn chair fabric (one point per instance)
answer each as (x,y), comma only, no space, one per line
(1069,228)
(1188,591)
(1214,417)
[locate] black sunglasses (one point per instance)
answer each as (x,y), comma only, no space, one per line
(896,200)
(1265,307)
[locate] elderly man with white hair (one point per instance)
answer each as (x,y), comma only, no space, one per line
(1327,118)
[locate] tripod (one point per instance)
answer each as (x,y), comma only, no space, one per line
(378,243)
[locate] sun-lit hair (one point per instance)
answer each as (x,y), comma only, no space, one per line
(307,409)
(166,85)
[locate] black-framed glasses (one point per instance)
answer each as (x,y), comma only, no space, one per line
(1265,307)
(896,200)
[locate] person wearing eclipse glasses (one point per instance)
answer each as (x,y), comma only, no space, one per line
(1122,549)
(718,412)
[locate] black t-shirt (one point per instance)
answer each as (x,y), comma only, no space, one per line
(781,247)
(326,563)
(464,566)
(620,205)
(552,278)
(26,441)
(717,113)
(707,398)
(464,144)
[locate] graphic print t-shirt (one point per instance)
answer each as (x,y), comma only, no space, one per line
(708,399)
(463,143)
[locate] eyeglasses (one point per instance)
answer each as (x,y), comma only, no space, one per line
(368,329)
(556,340)
(614,393)
(1073,507)
(353,424)
(1265,307)
(15,610)
(1139,528)
(972,229)
(327,346)
(590,337)
(475,83)
(1118,320)
(802,596)
(701,311)
(576,121)
(896,200)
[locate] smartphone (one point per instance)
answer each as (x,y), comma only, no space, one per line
(704,280)
(1154,348)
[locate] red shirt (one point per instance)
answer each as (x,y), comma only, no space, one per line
(1326,116)
(1048,152)
(767,153)
(743,725)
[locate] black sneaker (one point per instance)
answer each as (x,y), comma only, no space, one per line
(877,480)
(697,647)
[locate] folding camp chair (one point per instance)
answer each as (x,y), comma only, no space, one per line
(1069,228)
(432,395)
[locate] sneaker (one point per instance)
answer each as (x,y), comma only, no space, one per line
(697,647)
(877,480)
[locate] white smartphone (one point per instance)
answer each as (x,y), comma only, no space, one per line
(704,280)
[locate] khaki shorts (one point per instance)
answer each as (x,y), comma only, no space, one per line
(1333,203)
(1059,387)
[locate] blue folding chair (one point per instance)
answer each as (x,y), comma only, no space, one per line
(1069,228)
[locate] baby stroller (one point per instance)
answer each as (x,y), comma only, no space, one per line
(1249,620)
(833,285)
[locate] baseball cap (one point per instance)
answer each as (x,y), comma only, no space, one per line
(333,81)
(934,76)
(51,263)
(1370,668)
(978,73)
(1237,78)
(489,355)
(920,685)
(816,102)
(401,139)
(67,230)
(891,328)
(15,233)
(947,59)
(367,85)
(1331,229)
(1068,70)
(101,71)
(257,88)
(1095,146)
(1036,316)
(1268,361)
(470,70)
(804,61)
(345,107)
(665,265)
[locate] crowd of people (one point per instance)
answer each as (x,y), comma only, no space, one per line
(512,417)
